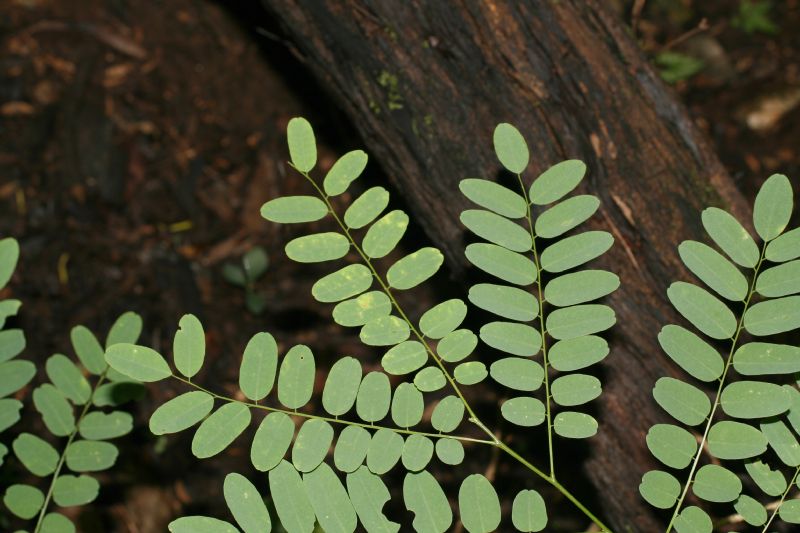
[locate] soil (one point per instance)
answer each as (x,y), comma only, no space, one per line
(138,141)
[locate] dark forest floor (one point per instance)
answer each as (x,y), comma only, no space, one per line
(138,141)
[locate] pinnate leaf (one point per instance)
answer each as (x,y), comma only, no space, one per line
(557,181)
(383,236)
(318,247)
(330,500)
(478,504)
(302,144)
(294,209)
(528,512)
(660,489)
(730,236)
(311,445)
(345,283)
(773,207)
(497,229)
(296,378)
(138,362)
(374,397)
(507,302)
(575,250)
(259,365)
(189,346)
(566,215)
(703,310)
(344,171)
(715,483)
(271,441)
(494,197)
(425,498)
(368,495)
(245,503)
(181,412)
(414,268)
(366,207)
(291,499)
(714,270)
(220,429)
(443,318)
(510,147)
(501,263)
(341,386)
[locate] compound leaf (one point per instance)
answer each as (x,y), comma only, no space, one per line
(374,397)
(782,441)
(368,495)
(580,320)
(351,448)
(430,379)
(407,405)
(784,248)
(345,283)
(38,456)
(580,287)
(751,510)
(518,374)
(9,255)
(557,181)
(693,520)
(682,401)
(384,331)
(754,399)
(457,345)
(55,409)
(69,491)
(691,353)
(781,280)
(528,512)
(523,411)
(23,501)
(575,389)
(714,270)
(660,489)
(715,483)
(14,375)
(574,354)
(360,310)
(68,379)
(771,482)
(513,338)
(734,440)
(762,358)
(385,450)
(448,414)
(200,524)
(672,445)
(573,425)
(125,329)
(773,316)
(404,358)
(450,451)
(91,455)
(102,426)
(470,373)
(417,452)
(88,349)
(259,365)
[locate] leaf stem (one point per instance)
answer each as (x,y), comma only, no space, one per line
(734,345)
(780,502)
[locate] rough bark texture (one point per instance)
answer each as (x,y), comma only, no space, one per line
(424,83)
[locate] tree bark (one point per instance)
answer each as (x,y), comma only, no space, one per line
(425,83)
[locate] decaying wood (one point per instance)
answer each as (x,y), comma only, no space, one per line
(425,82)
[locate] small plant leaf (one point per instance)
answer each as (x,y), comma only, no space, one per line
(296,378)
(345,283)
(731,237)
(682,401)
(566,215)
(575,250)
(734,440)
(318,247)
(341,386)
(442,319)
(504,301)
(574,425)
(302,144)
(429,379)
(513,338)
(271,441)
(528,512)
(494,197)
(501,263)
(360,310)
(344,171)
(68,379)
(189,346)
(771,482)
(9,413)
(762,358)
(773,316)
(88,349)
(497,229)
(220,429)
(384,331)
(69,491)
(754,399)
(715,483)
(255,263)
(55,409)
(672,445)
(246,504)
(713,269)
(782,441)
(693,520)
(23,501)
(781,280)
(368,495)
(291,499)
(12,342)
(578,353)
(523,411)
(575,389)
(425,498)
(138,362)
(9,255)
(385,450)
(457,345)
(374,397)
(330,500)
(414,268)
(294,209)
(470,373)
(751,510)
(478,505)
(126,329)
(517,373)
(366,207)
(351,448)
(773,207)
(660,489)
(557,181)
(91,455)
(450,451)
(417,452)
(38,456)
(200,524)
(580,287)
(181,412)
(703,310)
(259,365)
(580,320)
(784,248)
(448,414)
(404,358)
(311,445)
(510,147)
(103,426)
(790,511)
(407,406)
(691,353)
(14,375)
(383,236)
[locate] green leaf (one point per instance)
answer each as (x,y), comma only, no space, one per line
(513,338)
(258,368)
(220,429)
(311,445)
(344,171)
(457,345)
(407,405)
(734,440)
(425,498)
(751,510)
(448,414)
(246,504)
(374,397)
(38,456)
(302,144)
(103,426)
(69,491)
(494,197)
(580,287)
(404,358)
(181,412)
(91,455)
(345,283)
(414,268)
(271,441)
(23,501)
(189,346)
(318,247)
(68,379)
(115,394)
(351,448)
(417,452)
(368,495)
(138,362)
(762,358)
(429,379)
(731,237)
(518,374)
(507,302)
(55,409)
(714,270)
(296,378)
(754,399)
(773,316)
(200,524)
(573,425)
(383,236)
(566,215)
(9,413)
(580,320)
(497,229)
(470,373)
(693,520)
(341,386)
(450,451)
(14,375)
(384,331)
(385,450)
(442,319)
(528,512)
(255,262)
(510,147)
(366,207)
(575,250)
(126,329)
(714,483)
(782,441)
(9,255)
(773,207)
(691,353)
(478,504)
(781,280)
(703,310)
(523,411)
(660,489)
(784,248)
(360,310)
(330,501)
(289,495)
(771,482)
(575,389)
(12,342)
(294,209)
(682,401)
(557,181)
(8,308)
(574,354)
(672,445)
(501,263)
(790,511)
(88,349)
